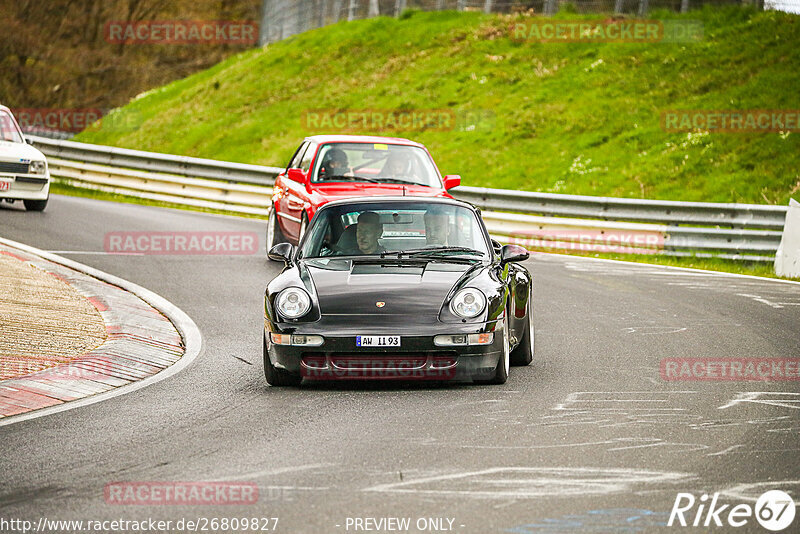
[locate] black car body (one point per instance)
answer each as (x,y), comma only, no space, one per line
(405,309)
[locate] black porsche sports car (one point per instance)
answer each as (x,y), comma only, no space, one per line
(397,288)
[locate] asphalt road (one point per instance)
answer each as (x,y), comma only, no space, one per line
(589,438)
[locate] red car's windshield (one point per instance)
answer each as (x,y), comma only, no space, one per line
(375,162)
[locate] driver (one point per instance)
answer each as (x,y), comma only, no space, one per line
(368,230)
(333,164)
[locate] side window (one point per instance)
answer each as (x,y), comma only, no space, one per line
(305,164)
(295,162)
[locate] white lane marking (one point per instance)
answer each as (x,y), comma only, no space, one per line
(655,330)
(643,401)
(272,472)
(640,268)
(751,492)
(531,482)
(722,453)
(761,300)
(791,401)
(94,253)
(192,339)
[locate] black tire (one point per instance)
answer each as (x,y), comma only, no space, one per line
(523,353)
(303,228)
(278,377)
(35,205)
(503,365)
(274,234)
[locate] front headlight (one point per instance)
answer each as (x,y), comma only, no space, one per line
(293,302)
(468,303)
(38,167)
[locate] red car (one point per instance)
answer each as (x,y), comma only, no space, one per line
(331,167)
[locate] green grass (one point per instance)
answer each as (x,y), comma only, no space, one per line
(531,116)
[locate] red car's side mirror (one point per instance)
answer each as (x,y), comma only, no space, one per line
(296,175)
(451,181)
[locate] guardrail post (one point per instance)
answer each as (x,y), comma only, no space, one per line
(618,6)
(550,7)
(374,9)
(399,7)
(787,259)
(643,7)
(487,6)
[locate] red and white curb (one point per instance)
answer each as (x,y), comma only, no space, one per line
(149,339)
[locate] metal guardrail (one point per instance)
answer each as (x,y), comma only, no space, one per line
(156,161)
(538,220)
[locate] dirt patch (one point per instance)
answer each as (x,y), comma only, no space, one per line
(43,321)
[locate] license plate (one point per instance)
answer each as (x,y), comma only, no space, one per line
(4,186)
(377,341)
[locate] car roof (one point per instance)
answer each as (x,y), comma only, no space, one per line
(399,199)
(4,108)
(320,139)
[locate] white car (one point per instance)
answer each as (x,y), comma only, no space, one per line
(23,169)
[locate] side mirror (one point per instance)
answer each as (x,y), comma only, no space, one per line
(513,253)
(296,175)
(451,181)
(497,247)
(282,252)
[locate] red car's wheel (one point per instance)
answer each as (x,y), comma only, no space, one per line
(274,234)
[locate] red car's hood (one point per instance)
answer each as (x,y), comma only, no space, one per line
(336,191)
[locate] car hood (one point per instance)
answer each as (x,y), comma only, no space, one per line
(344,287)
(335,191)
(17,151)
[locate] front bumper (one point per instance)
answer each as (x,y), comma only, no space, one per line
(25,187)
(417,358)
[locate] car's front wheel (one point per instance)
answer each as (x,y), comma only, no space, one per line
(503,364)
(278,377)
(274,234)
(523,353)
(35,205)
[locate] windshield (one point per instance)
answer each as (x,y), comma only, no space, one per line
(396,229)
(385,163)
(8,128)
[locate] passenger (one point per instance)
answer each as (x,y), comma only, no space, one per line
(395,166)
(437,227)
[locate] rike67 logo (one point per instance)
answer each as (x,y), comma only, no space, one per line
(774,510)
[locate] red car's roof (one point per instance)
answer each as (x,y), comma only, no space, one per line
(362,139)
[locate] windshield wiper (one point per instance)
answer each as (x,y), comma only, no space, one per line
(396,181)
(351,178)
(432,252)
